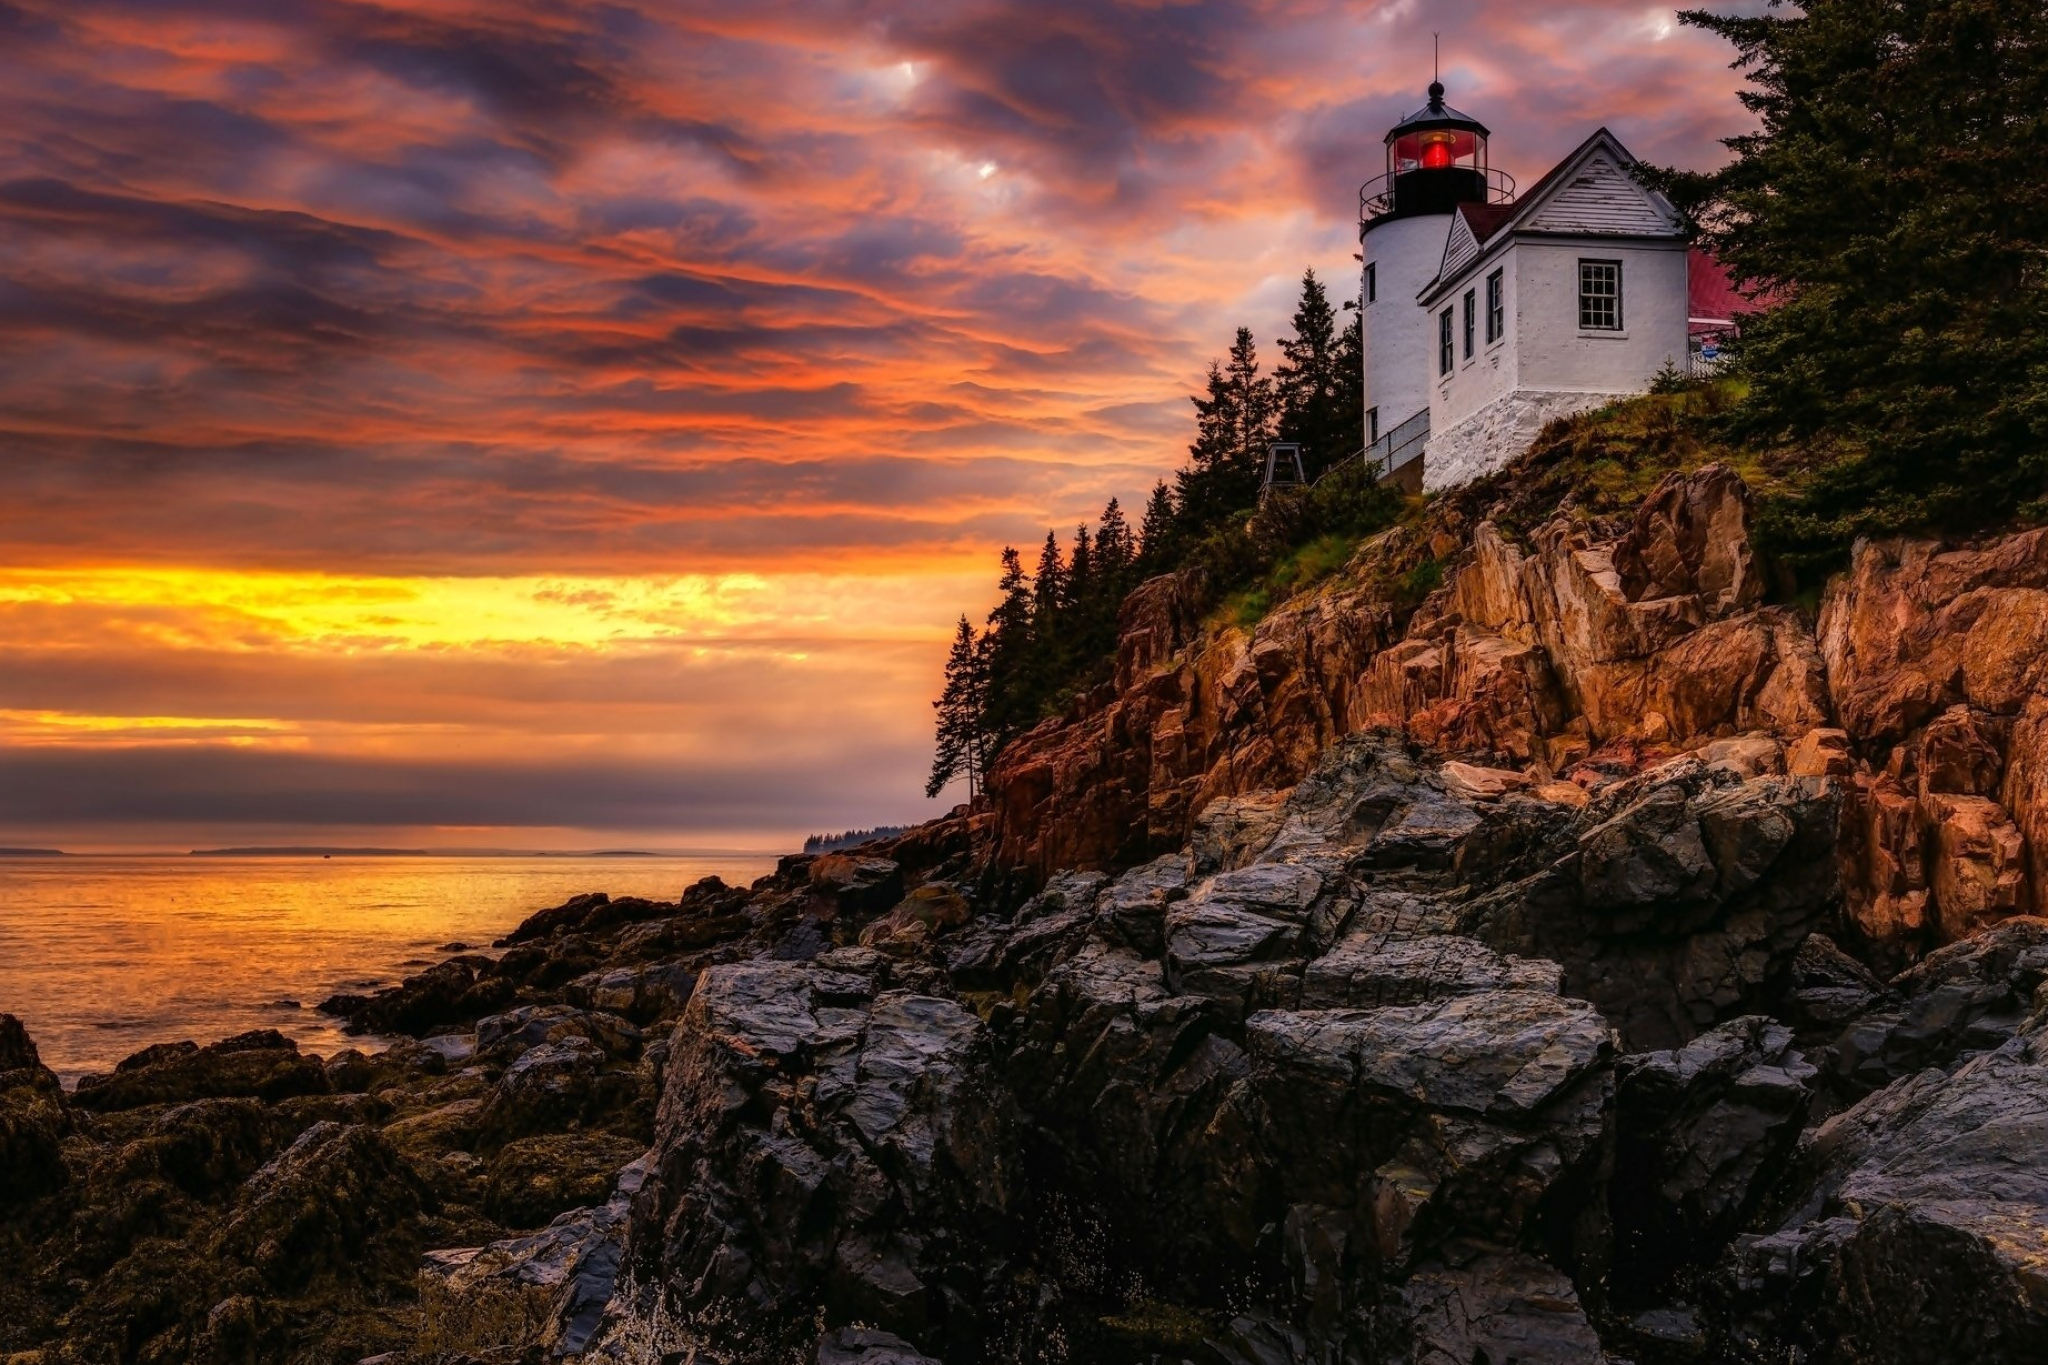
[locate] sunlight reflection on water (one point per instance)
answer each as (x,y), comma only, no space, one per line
(100,956)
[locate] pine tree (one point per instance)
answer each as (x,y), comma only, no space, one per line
(1114,549)
(1306,383)
(1048,585)
(1348,416)
(1012,702)
(1233,426)
(1204,482)
(1894,202)
(961,748)
(1080,573)
(1159,547)
(1258,409)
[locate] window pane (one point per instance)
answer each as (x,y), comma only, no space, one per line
(1471,321)
(1496,308)
(1372,282)
(1444,354)
(1600,295)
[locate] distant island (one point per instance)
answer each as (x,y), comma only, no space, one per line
(318,851)
(32,853)
(826,843)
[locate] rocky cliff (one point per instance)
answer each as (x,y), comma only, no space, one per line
(1580,962)
(1587,650)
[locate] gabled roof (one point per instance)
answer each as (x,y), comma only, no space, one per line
(1489,222)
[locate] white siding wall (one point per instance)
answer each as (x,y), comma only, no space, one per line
(1489,408)
(1559,357)
(1400,338)
(1493,370)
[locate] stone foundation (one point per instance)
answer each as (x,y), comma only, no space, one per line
(1490,437)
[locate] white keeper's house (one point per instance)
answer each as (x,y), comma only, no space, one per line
(1488,313)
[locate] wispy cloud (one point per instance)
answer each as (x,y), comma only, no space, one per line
(652,291)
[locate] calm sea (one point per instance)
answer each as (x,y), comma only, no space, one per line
(100,956)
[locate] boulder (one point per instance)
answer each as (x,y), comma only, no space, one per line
(34,1120)
(865,1346)
(563,1084)
(825,1149)
(926,912)
(1238,934)
(556,1284)
(1979,869)
(1680,900)
(1690,538)
(648,993)
(260,1065)
(531,1180)
(451,992)
(502,1038)
(1461,1115)
(1487,1304)
(1919,1237)
(1701,1134)
(855,885)
(1967,998)
(338,1209)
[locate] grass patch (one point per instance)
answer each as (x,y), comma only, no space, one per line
(1417,584)
(485,1318)
(1605,461)
(1149,1323)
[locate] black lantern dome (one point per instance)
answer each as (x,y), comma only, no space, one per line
(1436,160)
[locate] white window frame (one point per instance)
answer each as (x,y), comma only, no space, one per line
(1471,323)
(1496,306)
(1372,281)
(1446,344)
(1596,305)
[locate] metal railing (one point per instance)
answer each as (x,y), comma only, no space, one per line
(1399,445)
(1376,196)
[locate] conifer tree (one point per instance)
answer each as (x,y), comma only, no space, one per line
(1204,481)
(1158,547)
(1894,204)
(1234,424)
(1349,415)
(1306,384)
(1007,645)
(1048,585)
(1114,549)
(1257,408)
(961,748)
(1080,574)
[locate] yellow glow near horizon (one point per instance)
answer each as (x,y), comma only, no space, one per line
(269,610)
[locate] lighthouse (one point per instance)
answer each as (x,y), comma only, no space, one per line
(1486,315)
(1436,161)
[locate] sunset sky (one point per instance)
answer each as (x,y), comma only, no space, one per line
(498,422)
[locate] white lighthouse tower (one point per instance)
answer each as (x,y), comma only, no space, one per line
(1436,161)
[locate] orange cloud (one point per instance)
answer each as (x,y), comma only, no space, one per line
(445,382)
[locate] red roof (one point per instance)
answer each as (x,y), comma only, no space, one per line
(1715,301)
(1485,219)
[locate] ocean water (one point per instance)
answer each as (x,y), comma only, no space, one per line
(101,956)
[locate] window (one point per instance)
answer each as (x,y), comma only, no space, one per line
(1471,321)
(1445,355)
(1372,425)
(1372,281)
(1600,296)
(1496,308)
